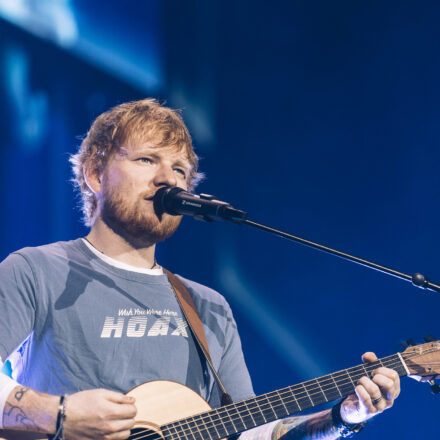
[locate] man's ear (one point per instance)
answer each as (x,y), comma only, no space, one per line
(92,178)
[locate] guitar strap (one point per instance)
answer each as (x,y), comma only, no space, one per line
(189,310)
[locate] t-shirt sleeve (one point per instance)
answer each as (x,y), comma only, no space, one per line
(233,371)
(17,302)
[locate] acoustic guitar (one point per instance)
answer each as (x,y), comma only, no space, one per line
(171,411)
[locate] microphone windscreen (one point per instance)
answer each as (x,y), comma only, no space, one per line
(163,200)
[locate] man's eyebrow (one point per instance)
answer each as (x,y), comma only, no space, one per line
(145,150)
(183,163)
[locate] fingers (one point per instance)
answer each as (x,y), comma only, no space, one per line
(116,397)
(373,395)
(99,413)
(378,393)
(119,430)
(369,357)
(370,395)
(386,378)
(123,406)
(121,412)
(388,381)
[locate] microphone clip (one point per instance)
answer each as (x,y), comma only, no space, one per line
(204,217)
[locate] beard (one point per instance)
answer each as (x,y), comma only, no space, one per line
(136,222)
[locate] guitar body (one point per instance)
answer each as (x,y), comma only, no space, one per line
(158,402)
(161,402)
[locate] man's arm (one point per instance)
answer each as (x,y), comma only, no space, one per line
(90,414)
(28,410)
(315,426)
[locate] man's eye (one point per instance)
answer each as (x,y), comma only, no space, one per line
(180,171)
(145,160)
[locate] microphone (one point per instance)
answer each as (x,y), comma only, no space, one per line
(177,201)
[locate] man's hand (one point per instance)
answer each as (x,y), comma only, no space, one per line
(90,415)
(372,395)
(99,414)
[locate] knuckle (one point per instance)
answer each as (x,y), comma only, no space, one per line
(359,388)
(372,409)
(366,399)
(113,413)
(385,370)
(377,375)
(107,427)
(390,383)
(382,405)
(375,385)
(113,428)
(384,382)
(375,388)
(363,380)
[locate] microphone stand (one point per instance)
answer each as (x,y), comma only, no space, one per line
(177,201)
(417,279)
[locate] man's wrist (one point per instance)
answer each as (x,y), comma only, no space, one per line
(7,385)
(29,410)
(345,430)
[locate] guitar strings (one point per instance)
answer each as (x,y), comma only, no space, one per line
(390,361)
(207,428)
(289,390)
(204,428)
(267,404)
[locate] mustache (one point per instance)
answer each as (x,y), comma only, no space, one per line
(148,195)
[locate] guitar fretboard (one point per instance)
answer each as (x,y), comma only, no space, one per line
(237,417)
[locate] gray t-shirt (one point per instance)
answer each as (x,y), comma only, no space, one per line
(87,324)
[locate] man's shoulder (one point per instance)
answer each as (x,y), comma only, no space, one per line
(49,252)
(205,294)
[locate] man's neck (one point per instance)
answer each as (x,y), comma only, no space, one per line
(113,245)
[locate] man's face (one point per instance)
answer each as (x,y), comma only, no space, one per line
(128,184)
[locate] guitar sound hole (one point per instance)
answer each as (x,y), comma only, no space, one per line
(143,434)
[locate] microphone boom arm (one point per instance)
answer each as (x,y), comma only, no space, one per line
(417,279)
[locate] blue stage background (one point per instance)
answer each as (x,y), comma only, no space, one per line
(320,118)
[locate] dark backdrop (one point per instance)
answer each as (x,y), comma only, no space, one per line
(317,117)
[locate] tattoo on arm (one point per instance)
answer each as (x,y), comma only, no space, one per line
(311,427)
(16,414)
(20,393)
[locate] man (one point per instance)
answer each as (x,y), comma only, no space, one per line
(98,316)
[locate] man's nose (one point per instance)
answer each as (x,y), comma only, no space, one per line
(165,175)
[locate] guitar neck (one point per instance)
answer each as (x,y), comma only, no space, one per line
(241,416)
